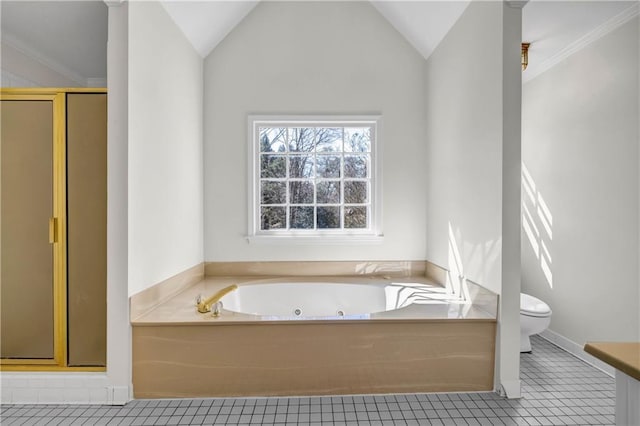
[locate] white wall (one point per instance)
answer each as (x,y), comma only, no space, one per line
(580,147)
(464,159)
(472,97)
(165,148)
(314,58)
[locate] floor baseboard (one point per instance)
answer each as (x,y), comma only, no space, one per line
(576,350)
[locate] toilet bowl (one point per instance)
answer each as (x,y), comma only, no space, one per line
(535,317)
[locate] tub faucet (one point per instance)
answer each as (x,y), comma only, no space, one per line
(205,305)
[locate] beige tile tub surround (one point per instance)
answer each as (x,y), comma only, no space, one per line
(313,358)
(156,295)
(393,268)
(181,308)
(178,352)
(147,300)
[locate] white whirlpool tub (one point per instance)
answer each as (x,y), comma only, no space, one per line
(304,300)
(317,336)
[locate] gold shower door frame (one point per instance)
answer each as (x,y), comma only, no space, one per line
(57,232)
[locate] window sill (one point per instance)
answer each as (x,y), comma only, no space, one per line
(338,240)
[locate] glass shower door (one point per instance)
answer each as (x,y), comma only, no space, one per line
(32,252)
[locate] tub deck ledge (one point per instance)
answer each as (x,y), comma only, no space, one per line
(431,302)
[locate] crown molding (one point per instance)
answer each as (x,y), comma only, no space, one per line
(37,56)
(593,35)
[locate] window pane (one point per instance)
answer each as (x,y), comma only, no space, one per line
(302,139)
(273,139)
(328,217)
(357,139)
(355,166)
(329,192)
(314,178)
(273,192)
(355,217)
(273,166)
(329,139)
(273,218)
(300,166)
(328,166)
(355,192)
(301,192)
(301,217)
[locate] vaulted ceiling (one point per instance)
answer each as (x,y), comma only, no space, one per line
(423,23)
(206,23)
(72,34)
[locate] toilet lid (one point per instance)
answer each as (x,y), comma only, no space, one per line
(533,307)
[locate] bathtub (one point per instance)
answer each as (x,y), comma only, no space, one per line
(305,300)
(293,336)
(348,299)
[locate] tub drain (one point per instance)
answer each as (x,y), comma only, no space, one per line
(297,312)
(340,313)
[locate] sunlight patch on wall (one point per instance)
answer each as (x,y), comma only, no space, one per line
(545,215)
(455,277)
(471,260)
(532,224)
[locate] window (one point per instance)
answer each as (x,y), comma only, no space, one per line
(314,177)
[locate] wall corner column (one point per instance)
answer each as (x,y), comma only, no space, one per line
(508,369)
(118,326)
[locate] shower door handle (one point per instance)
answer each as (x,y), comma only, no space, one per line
(53,230)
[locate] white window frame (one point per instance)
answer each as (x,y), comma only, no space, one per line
(373,234)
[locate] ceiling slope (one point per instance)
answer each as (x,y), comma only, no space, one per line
(423,23)
(207,23)
(555,28)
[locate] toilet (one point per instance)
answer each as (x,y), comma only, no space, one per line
(535,316)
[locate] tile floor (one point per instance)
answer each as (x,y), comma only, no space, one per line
(558,389)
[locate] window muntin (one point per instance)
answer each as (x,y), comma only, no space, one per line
(314,177)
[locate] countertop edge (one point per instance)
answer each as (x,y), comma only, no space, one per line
(214,322)
(613,359)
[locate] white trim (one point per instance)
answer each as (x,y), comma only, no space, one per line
(119,353)
(120,395)
(593,35)
(339,240)
(576,350)
(61,388)
(32,53)
(371,235)
(510,389)
(627,397)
